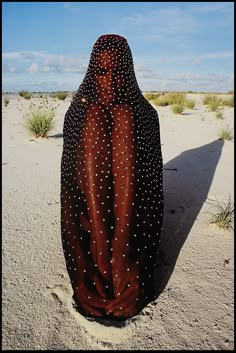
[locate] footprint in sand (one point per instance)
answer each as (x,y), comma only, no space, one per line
(104,330)
(61,293)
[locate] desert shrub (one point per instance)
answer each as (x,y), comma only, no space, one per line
(213,102)
(39,120)
(224,215)
(177,109)
(219,115)
(225,133)
(229,102)
(161,101)
(150,96)
(189,103)
(170,98)
(214,105)
(210,98)
(176,98)
(61,95)
(25,94)
(207,99)
(6,102)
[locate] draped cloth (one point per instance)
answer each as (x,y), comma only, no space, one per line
(111,187)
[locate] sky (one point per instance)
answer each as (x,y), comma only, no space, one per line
(176,46)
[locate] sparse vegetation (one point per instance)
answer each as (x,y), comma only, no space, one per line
(61,95)
(25,94)
(151,96)
(210,98)
(229,102)
(177,109)
(219,115)
(167,98)
(225,134)
(224,216)
(213,102)
(6,102)
(214,105)
(189,103)
(161,100)
(39,121)
(175,98)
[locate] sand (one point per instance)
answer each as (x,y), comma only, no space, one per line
(195,278)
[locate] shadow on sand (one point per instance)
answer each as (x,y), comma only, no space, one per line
(187,180)
(57,136)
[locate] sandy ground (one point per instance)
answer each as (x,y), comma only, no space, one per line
(194,308)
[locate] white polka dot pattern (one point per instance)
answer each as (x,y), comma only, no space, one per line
(111,187)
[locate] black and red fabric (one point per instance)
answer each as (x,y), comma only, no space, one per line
(111,187)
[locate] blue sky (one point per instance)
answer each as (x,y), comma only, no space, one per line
(176,46)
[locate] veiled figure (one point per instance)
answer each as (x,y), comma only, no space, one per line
(111,187)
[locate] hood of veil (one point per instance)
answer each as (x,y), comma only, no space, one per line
(118,44)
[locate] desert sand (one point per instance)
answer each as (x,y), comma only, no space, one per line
(195,278)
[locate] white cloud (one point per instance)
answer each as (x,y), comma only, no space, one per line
(184,59)
(158,24)
(33,68)
(177,19)
(45,62)
(67,4)
(11,55)
(64,63)
(148,81)
(142,68)
(186,81)
(71,7)
(152,72)
(214,7)
(23,56)
(40,82)
(46,68)
(217,55)
(8,68)
(151,78)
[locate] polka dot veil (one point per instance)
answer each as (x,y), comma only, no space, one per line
(111,187)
